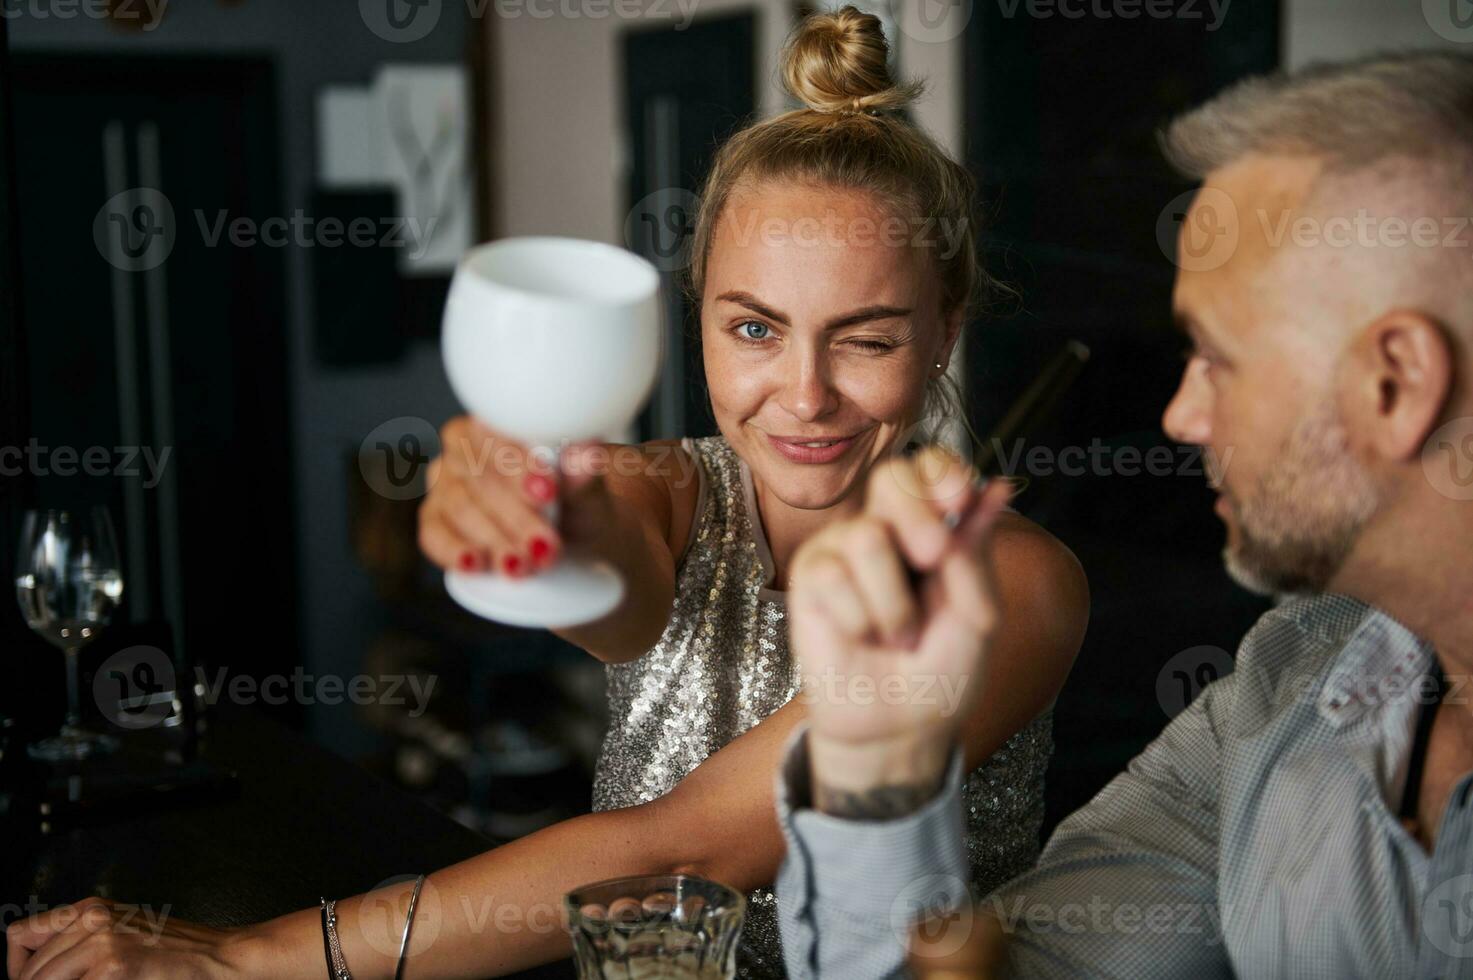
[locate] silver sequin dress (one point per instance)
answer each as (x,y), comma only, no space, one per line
(722,666)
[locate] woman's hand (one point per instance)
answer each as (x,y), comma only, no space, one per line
(488,504)
(890,669)
(98,939)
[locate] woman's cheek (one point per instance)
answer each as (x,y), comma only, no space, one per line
(736,389)
(882,392)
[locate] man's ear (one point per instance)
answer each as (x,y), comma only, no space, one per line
(1400,379)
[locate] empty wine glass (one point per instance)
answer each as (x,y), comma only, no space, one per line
(550,341)
(68,581)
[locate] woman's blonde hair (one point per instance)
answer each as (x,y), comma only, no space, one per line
(851,136)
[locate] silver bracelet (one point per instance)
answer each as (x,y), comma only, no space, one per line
(408,922)
(336,963)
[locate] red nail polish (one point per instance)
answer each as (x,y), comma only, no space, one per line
(512,564)
(467,560)
(540,488)
(540,549)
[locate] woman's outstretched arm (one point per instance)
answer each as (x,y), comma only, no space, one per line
(501,911)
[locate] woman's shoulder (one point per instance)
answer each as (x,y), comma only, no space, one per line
(1039,576)
(683,469)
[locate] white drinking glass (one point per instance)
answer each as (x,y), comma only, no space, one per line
(550,341)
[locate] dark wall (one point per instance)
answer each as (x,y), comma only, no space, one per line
(309,45)
(1062,116)
(14,398)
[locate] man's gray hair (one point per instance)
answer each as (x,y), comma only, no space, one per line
(1350,115)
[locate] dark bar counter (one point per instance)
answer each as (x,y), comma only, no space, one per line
(295,823)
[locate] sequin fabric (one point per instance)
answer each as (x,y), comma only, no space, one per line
(722,665)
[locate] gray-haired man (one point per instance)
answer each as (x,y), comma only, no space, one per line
(1311,815)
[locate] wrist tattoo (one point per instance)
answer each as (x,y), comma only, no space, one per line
(879,803)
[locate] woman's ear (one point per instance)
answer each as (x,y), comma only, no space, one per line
(953,330)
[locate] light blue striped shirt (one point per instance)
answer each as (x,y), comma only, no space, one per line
(1257,836)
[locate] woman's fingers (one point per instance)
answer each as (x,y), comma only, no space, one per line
(485,508)
(444,546)
(53,939)
(109,953)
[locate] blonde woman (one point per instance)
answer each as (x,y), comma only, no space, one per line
(830,303)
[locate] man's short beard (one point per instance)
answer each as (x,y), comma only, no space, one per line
(1305,513)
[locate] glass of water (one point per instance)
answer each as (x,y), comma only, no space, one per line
(655,927)
(68,580)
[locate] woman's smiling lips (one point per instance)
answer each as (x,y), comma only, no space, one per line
(810,449)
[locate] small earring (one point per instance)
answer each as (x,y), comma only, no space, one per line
(938,365)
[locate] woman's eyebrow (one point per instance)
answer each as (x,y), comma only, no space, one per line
(877,311)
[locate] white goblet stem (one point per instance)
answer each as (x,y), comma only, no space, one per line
(552,511)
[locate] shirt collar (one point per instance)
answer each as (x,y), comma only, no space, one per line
(1382,662)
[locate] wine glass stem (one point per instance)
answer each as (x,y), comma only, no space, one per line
(552,511)
(73,698)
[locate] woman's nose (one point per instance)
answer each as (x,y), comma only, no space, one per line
(808,393)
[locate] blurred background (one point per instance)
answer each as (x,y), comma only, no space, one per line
(228,229)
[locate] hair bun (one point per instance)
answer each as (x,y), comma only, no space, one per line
(838,61)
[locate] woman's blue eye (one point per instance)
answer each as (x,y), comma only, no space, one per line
(752,330)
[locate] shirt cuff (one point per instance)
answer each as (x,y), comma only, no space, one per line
(873,871)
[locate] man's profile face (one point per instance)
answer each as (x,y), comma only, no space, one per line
(1257,392)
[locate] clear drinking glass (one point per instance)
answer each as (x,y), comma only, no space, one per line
(69,581)
(655,927)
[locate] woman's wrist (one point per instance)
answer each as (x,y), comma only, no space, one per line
(275,949)
(879,779)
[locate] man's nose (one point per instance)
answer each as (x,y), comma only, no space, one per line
(808,392)
(1188,416)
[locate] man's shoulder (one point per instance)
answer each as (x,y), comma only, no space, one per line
(1291,648)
